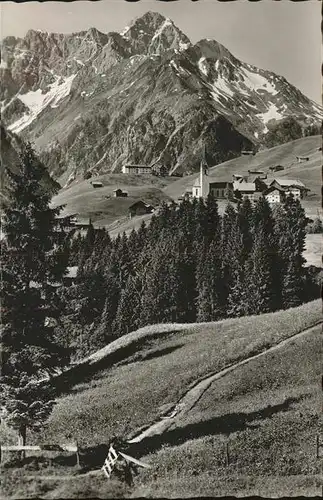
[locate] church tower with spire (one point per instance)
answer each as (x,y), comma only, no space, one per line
(201,185)
(204,181)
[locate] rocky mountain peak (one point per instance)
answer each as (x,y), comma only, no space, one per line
(153,33)
(143,95)
(97,36)
(211,49)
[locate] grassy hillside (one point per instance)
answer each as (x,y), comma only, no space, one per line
(285,155)
(162,369)
(99,203)
(266,413)
(159,364)
(80,197)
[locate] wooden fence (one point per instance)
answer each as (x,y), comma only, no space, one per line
(71,448)
(114,456)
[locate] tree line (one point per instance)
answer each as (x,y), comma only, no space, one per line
(189,265)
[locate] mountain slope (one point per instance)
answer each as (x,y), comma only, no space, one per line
(93,101)
(10,147)
(284,154)
(141,376)
(235,421)
(162,361)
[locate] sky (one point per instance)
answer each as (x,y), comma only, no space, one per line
(284,37)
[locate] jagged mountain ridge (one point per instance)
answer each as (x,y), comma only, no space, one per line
(92,101)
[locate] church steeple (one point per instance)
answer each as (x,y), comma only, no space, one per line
(203,161)
(203,173)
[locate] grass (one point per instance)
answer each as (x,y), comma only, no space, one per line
(133,394)
(261,403)
(59,486)
(267,412)
(99,204)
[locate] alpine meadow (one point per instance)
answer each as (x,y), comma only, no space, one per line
(161,241)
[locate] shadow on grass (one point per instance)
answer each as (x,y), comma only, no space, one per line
(225,424)
(93,457)
(156,353)
(85,372)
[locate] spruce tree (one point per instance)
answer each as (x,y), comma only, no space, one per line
(245,221)
(161,284)
(88,244)
(32,260)
(183,267)
(112,294)
(238,298)
(290,224)
(128,312)
(209,279)
(142,236)
(292,286)
(200,223)
(296,227)
(264,222)
(258,280)
(233,263)
(213,228)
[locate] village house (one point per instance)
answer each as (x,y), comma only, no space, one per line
(139,208)
(159,170)
(276,168)
(274,194)
(291,187)
(256,174)
(301,159)
(136,169)
(251,189)
(68,280)
(96,184)
(66,223)
(187,195)
(253,186)
(118,193)
(248,153)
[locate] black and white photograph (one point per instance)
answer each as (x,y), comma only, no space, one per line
(161,249)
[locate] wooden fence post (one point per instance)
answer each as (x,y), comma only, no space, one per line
(77,455)
(227,456)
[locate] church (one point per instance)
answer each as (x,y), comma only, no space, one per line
(204,185)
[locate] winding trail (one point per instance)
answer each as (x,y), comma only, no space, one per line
(189,400)
(192,396)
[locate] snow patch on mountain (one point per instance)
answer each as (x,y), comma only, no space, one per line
(125,31)
(317,110)
(256,82)
(36,101)
(271,114)
(220,86)
(202,66)
(183,45)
